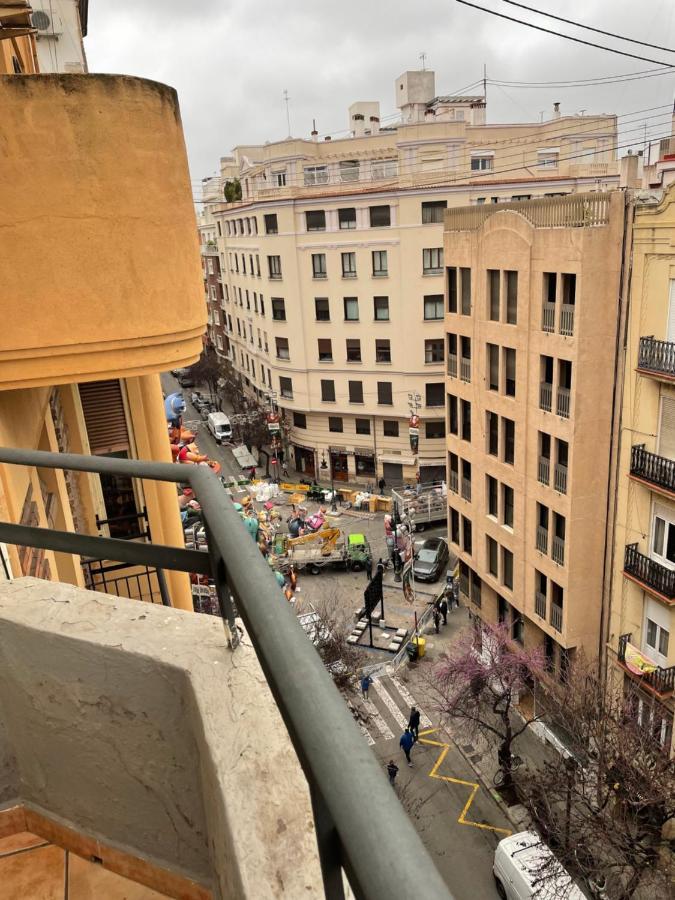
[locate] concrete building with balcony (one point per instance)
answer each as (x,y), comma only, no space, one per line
(333,264)
(641,627)
(88,330)
(533,309)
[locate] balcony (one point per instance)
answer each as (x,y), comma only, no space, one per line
(540,604)
(556,616)
(567,319)
(650,675)
(563,402)
(545,396)
(558,550)
(209,250)
(454,482)
(132,740)
(466,488)
(560,478)
(657,358)
(465,370)
(548,317)
(542,539)
(544,470)
(452,365)
(657,471)
(653,576)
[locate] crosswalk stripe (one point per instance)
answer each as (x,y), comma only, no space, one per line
(390,703)
(382,726)
(425,721)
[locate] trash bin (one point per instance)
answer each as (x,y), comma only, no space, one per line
(411,650)
(421,644)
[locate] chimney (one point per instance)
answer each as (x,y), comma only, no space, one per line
(629,170)
(315,133)
(556,109)
(327,138)
(374,125)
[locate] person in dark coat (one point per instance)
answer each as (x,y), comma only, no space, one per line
(392,771)
(437,620)
(443,609)
(414,723)
(369,567)
(366,682)
(382,485)
(406,742)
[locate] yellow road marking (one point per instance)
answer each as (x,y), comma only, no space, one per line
(475,787)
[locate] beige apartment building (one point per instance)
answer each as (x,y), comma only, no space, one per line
(332,265)
(533,306)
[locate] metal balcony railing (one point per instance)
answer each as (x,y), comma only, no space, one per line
(466,488)
(452,365)
(560,478)
(544,470)
(542,539)
(454,482)
(567,319)
(660,680)
(465,370)
(563,404)
(540,604)
(556,616)
(649,572)
(375,842)
(558,550)
(652,468)
(545,396)
(548,317)
(656,356)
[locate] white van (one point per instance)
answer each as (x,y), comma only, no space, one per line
(219,426)
(525,867)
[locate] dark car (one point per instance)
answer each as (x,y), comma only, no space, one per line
(431,560)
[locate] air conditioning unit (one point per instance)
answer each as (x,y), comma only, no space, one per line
(46,24)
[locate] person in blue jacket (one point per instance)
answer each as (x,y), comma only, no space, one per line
(366,682)
(406,743)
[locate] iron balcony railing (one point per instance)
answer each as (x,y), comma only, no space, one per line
(374,842)
(544,470)
(563,404)
(465,370)
(545,396)
(649,572)
(542,539)
(452,365)
(650,467)
(660,680)
(567,319)
(558,550)
(656,356)
(556,616)
(540,604)
(548,317)
(466,488)
(560,478)
(454,482)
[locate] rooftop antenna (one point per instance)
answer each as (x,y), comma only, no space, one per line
(485,85)
(423,57)
(288,112)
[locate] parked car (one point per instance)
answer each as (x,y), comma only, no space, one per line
(431,560)
(185,379)
(525,867)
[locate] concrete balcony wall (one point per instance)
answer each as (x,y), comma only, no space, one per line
(136,726)
(99,236)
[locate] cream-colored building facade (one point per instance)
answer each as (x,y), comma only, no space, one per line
(332,265)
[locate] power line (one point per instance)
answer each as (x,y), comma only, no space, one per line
(620,37)
(586,82)
(567,37)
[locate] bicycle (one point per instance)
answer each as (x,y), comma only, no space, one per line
(503,775)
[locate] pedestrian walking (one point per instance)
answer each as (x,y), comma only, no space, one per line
(392,771)
(406,743)
(437,620)
(382,485)
(366,682)
(443,609)
(414,722)
(418,479)
(369,567)
(251,473)
(284,470)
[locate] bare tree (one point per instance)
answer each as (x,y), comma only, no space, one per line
(479,682)
(208,369)
(605,805)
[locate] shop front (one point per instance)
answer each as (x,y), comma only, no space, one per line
(365,463)
(432,470)
(305,460)
(339,465)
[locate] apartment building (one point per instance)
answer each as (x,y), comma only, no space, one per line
(333,264)
(533,307)
(641,632)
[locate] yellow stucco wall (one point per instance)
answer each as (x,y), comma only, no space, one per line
(99,249)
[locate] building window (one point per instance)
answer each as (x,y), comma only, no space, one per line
(383,168)
(493,367)
(390,428)
(349,265)
(465,410)
(274,266)
(353,350)
(657,637)
(435,428)
(492,429)
(351,307)
(262,305)
(327,390)
(315,220)
(382,350)
(492,555)
(507,506)
(278,309)
(384,393)
(433,307)
(335,423)
(509,372)
(434,393)
(380,267)
(493,294)
(452,289)
(511,298)
(285,387)
(509,437)
(316,175)
(299,420)
(322,309)
(362,425)
(453,418)
(318,265)
(492,488)
(454,526)
(282,348)
(380,216)
(432,261)
(279,178)
(347,218)
(467,541)
(433,350)
(481,163)
(349,170)
(432,212)
(548,159)
(355,392)
(381,309)
(325,350)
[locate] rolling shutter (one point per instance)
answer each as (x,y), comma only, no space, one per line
(667,431)
(104,416)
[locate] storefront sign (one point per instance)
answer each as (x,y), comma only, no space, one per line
(273,423)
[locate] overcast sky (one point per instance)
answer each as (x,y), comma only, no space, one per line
(230,60)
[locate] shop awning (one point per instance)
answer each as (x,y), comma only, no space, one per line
(402,460)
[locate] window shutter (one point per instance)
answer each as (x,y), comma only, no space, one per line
(104,416)
(667,432)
